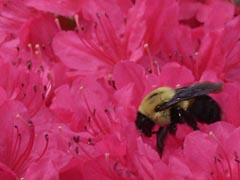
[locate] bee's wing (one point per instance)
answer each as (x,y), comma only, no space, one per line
(190,92)
(195,90)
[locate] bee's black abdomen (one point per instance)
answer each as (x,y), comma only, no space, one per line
(205,109)
(144,124)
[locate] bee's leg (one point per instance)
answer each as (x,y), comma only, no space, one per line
(190,120)
(186,117)
(172,128)
(161,137)
(176,115)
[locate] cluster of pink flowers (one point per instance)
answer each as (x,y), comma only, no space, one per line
(72,75)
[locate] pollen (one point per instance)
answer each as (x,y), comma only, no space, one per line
(210,133)
(37,49)
(58,23)
(110,76)
(178,85)
(18,116)
(145,45)
(29,45)
(107,155)
(153,64)
(37,46)
(76,19)
(196,53)
(60,128)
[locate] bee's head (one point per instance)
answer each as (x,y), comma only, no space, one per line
(144,124)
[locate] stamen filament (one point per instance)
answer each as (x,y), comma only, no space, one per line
(28,149)
(45,148)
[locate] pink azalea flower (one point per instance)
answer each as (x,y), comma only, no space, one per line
(83,105)
(55,157)
(40,64)
(196,49)
(18,140)
(100,42)
(163,14)
(20,85)
(40,46)
(215,54)
(111,161)
(30,148)
(28,47)
(98,128)
(214,155)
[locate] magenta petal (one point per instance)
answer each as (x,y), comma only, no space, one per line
(232,149)
(232,143)
(30,33)
(173,74)
(65,7)
(210,75)
(221,130)
(213,155)
(197,157)
(179,168)
(75,55)
(222,8)
(6,173)
(72,171)
(230,101)
(209,55)
(126,72)
(3,96)
(144,160)
(108,145)
(13,15)
(43,170)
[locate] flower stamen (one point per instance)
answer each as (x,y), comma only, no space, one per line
(58,23)
(24,156)
(237,160)
(76,19)
(93,115)
(17,144)
(155,69)
(225,156)
(45,148)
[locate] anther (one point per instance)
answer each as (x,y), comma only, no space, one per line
(76,139)
(29,64)
(35,88)
(77,150)
(45,88)
(45,148)
(90,141)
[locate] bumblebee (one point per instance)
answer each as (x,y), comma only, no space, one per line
(168,107)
